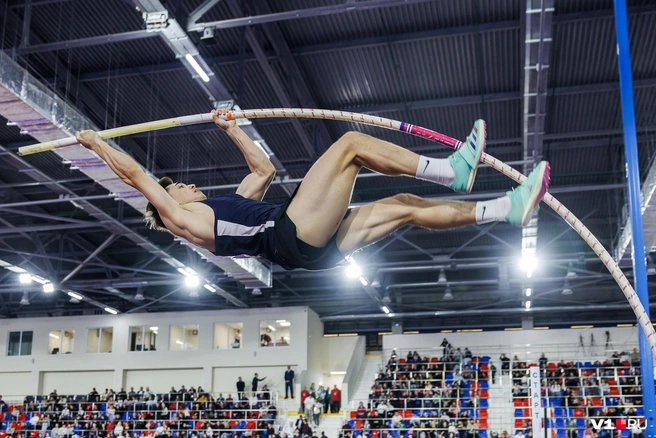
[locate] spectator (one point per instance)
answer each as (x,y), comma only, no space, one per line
(289,382)
(493,372)
(289,429)
(255,382)
(361,412)
(316,411)
(468,356)
(543,361)
(241,386)
(306,430)
(309,406)
(396,419)
(445,347)
(635,358)
(472,429)
(304,394)
(3,405)
(335,400)
(505,364)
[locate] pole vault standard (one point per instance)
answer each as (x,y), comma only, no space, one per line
(557,206)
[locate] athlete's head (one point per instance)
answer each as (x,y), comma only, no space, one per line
(180,192)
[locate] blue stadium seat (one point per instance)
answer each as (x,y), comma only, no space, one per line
(484,404)
(482,434)
(485,359)
(560,423)
(519,413)
(625,433)
(556,401)
(580,422)
(466,394)
(561,433)
(640,412)
(559,412)
(484,384)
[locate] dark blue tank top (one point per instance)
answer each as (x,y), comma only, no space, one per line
(243,226)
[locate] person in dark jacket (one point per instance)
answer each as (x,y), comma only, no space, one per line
(241,386)
(289,382)
(255,382)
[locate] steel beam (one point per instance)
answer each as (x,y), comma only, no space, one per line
(201,10)
(81,266)
(346,6)
(277,40)
(85,42)
(274,82)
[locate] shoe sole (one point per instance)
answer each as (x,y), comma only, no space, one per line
(538,193)
(479,155)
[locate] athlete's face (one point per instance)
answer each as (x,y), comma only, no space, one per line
(184,193)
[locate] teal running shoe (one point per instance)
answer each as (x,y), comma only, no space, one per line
(524,199)
(465,160)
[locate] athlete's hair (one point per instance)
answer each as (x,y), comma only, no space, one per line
(152,217)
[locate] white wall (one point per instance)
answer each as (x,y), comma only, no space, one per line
(75,382)
(160,381)
(122,359)
(556,344)
(14,383)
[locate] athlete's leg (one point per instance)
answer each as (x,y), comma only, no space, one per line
(321,202)
(370,223)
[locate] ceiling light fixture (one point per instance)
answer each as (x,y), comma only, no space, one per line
(447,294)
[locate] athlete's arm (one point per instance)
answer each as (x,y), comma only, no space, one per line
(133,175)
(255,185)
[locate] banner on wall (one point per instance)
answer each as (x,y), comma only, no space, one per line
(537,411)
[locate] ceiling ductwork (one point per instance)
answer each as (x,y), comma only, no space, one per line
(38,112)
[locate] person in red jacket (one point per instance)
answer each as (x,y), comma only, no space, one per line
(304,394)
(335,400)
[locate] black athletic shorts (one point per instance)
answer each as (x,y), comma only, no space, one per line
(292,253)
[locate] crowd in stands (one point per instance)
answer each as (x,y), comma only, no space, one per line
(447,396)
(579,392)
(182,413)
(430,396)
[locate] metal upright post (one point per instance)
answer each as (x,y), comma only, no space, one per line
(635,207)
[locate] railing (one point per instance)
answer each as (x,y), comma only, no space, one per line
(531,352)
(90,421)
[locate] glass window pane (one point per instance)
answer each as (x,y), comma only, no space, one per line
(150,343)
(67,341)
(106,339)
(283,331)
(93,340)
(26,344)
(191,337)
(176,338)
(267,333)
(235,334)
(54,341)
(13,345)
(136,339)
(220,336)
(143,338)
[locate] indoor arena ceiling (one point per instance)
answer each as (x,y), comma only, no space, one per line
(439,64)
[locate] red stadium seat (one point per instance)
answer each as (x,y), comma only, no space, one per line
(579,413)
(484,393)
(519,423)
(596,401)
(518,402)
(483,413)
(483,424)
(353,414)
